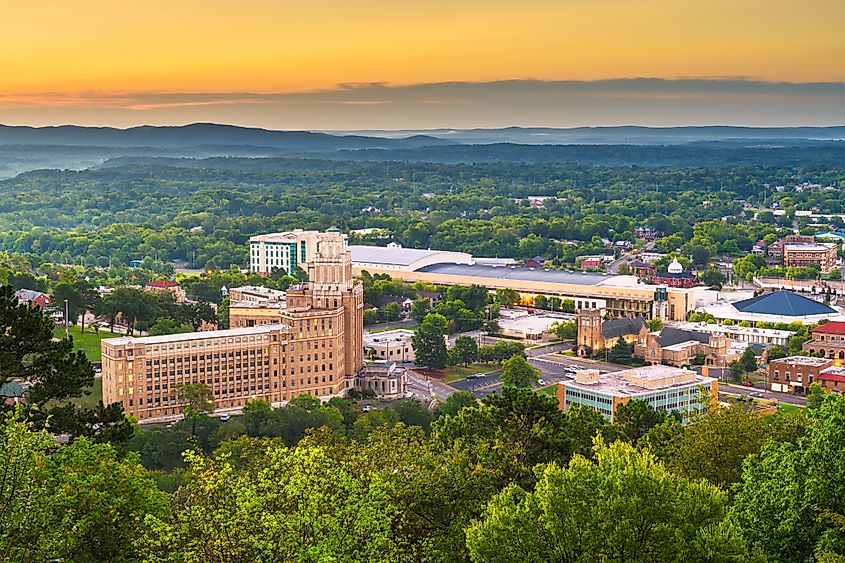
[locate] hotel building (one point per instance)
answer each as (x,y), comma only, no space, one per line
(315,346)
(282,251)
(663,387)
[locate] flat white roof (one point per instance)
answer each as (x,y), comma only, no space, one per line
(618,383)
(803,360)
(807,247)
(189,336)
(397,256)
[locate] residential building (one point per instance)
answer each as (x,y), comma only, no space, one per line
(282,251)
(596,334)
(166,286)
(12,393)
(676,347)
(665,388)
(390,345)
(828,340)
(647,233)
(35,299)
(642,270)
(315,348)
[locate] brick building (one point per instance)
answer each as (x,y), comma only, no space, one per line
(677,347)
(828,340)
(596,334)
(795,374)
(315,347)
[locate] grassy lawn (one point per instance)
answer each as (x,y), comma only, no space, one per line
(90,401)
(460,372)
(550,390)
(784,408)
(89,342)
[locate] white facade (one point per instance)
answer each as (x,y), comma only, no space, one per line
(282,251)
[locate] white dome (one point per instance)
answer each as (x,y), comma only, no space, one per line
(675,267)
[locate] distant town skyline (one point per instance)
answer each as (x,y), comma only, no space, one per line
(379,65)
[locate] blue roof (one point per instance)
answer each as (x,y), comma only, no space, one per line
(785,303)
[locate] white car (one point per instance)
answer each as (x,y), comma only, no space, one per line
(541,382)
(366,408)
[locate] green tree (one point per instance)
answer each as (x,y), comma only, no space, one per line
(429,342)
(455,402)
(715,446)
(507,297)
(75,302)
(636,417)
(168,325)
(565,330)
(466,349)
(517,372)
(79,502)
(655,324)
(197,402)
(420,309)
(635,511)
(302,505)
(621,352)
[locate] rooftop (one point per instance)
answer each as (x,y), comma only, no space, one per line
(162,283)
(641,381)
(189,336)
(831,328)
(808,247)
(398,256)
(803,360)
(527,274)
(785,303)
(388,336)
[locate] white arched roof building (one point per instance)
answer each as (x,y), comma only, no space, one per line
(404,259)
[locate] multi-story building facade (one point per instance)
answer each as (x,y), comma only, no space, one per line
(795,374)
(282,251)
(801,255)
(828,340)
(664,388)
(315,347)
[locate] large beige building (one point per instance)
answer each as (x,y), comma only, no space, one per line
(315,347)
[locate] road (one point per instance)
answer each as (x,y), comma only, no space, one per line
(390,326)
(786,398)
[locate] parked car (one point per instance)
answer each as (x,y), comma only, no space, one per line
(367,408)
(225,417)
(541,382)
(747,383)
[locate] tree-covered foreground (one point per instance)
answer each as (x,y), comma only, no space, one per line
(510,479)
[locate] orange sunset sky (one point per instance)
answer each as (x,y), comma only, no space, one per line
(280,63)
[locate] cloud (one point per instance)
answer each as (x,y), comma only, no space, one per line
(523,102)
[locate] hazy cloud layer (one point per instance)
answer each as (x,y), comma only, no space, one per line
(654,102)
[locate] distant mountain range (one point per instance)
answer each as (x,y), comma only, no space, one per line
(622,135)
(74,147)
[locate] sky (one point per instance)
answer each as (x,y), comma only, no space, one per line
(379,64)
